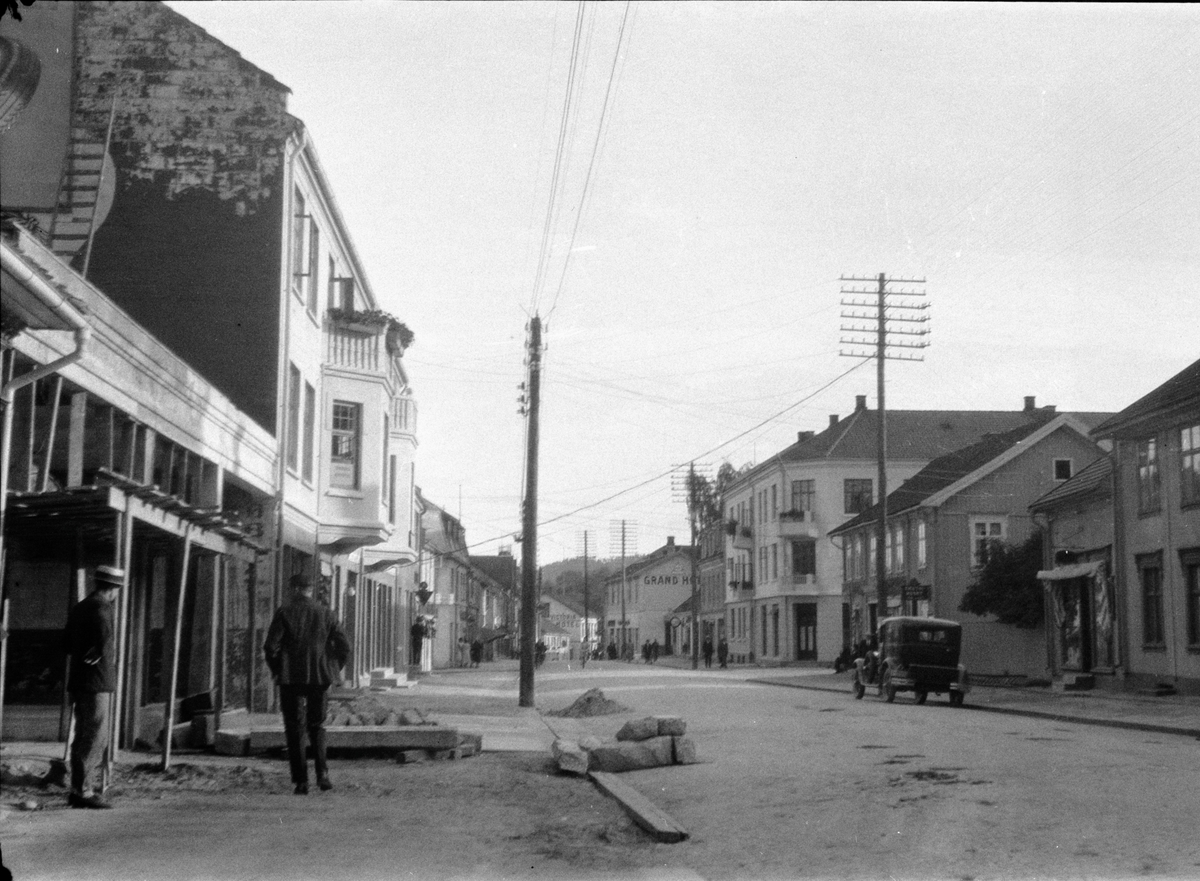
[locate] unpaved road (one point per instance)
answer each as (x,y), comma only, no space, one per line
(793,784)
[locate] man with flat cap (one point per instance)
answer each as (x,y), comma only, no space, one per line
(91,680)
(306,650)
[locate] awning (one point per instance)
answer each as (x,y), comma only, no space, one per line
(1075,570)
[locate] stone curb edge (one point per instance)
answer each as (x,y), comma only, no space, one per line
(1036,714)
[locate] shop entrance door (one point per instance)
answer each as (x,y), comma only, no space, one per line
(805,615)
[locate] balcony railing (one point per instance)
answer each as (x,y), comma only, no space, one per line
(404,414)
(744,539)
(356,347)
(798,524)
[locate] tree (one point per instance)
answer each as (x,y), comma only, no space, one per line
(705,497)
(1007,586)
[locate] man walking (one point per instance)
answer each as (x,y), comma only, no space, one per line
(306,650)
(92,678)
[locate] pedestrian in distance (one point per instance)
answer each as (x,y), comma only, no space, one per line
(654,652)
(723,652)
(306,649)
(417,634)
(707,649)
(476,651)
(92,678)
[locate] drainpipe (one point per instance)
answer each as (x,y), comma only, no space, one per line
(70,315)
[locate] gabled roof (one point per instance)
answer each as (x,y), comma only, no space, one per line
(1179,394)
(569,604)
(920,435)
(948,474)
(501,568)
(1095,479)
(653,559)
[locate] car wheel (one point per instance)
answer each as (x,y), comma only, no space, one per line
(889,690)
(921,696)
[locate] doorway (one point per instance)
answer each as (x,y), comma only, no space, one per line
(806,631)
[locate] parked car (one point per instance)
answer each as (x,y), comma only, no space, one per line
(920,655)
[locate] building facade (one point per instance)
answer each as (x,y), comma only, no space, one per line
(941,525)
(785,601)
(644,598)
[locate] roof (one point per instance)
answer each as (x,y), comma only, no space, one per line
(1095,479)
(569,604)
(501,568)
(1179,393)
(945,471)
(920,435)
(653,559)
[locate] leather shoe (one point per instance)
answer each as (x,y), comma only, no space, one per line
(301,789)
(324,783)
(94,802)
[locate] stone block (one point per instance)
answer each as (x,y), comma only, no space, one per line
(232,743)
(571,757)
(638,729)
(632,755)
(671,726)
(412,717)
(590,742)
(685,750)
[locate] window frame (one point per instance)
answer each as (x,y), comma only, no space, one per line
(803,494)
(354,458)
(292,453)
(1189,466)
(1070,468)
(1189,562)
(978,559)
(1150,590)
(1148,476)
(307,454)
(853,490)
(922,546)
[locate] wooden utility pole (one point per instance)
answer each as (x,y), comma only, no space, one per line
(695,575)
(587,642)
(885,312)
(529,569)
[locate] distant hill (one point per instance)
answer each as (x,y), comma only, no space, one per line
(565,579)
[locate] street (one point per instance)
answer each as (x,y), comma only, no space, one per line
(792,783)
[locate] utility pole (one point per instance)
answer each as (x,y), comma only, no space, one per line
(587,633)
(529,568)
(621,529)
(690,493)
(899,309)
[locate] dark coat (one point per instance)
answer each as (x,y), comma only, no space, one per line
(89,640)
(305,644)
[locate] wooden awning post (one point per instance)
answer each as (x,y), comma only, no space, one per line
(124,551)
(172,688)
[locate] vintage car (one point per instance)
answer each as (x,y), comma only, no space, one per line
(915,654)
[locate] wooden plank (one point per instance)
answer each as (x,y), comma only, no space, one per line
(643,811)
(398,737)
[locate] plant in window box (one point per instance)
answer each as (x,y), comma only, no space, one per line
(731,527)
(398,336)
(792,514)
(746,532)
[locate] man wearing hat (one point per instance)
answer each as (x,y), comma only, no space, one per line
(306,650)
(92,678)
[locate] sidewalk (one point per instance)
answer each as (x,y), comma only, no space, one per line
(1174,714)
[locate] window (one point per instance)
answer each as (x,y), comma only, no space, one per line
(804,558)
(774,502)
(889,552)
(984,532)
(298,218)
(1189,465)
(1149,488)
(310,418)
(1062,469)
(385,494)
(803,494)
(1191,593)
(858,495)
(774,562)
(921,544)
(344,445)
(314,257)
(898,549)
(332,286)
(293,417)
(1150,576)
(762,561)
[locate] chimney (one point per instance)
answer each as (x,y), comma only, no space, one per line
(860,403)
(802,436)
(670,541)
(1030,403)
(833,420)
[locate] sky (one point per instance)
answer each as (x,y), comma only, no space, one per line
(679,205)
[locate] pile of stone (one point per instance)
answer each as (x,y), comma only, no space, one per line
(591,703)
(362,712)
(641,743)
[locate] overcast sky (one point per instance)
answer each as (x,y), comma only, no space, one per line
(1037,165)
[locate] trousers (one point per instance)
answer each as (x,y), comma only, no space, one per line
(304,708)
(90,741)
